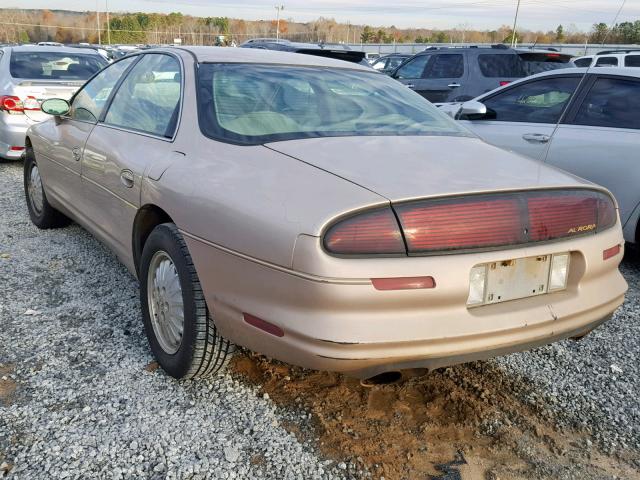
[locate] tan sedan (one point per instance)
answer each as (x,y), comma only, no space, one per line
(320,213)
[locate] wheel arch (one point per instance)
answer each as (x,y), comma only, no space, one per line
(149,216)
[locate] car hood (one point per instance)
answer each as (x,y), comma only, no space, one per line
(408,167)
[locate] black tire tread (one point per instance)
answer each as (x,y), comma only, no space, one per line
(211,352)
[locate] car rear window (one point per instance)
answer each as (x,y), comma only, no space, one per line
(41,65)
(255,104)
(583,62)
(501,65)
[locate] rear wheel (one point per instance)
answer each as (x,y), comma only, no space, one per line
(180,328)
(42,214)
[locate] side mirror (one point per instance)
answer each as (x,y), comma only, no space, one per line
(472,110)
(55,106)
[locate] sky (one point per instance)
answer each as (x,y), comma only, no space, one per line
(470,14)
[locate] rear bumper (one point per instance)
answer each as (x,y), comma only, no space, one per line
(13,131)
(344,324)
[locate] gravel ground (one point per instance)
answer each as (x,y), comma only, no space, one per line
(73,341)
(89,403)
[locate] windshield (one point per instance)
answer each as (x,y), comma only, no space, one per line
(39,65)
(255,104)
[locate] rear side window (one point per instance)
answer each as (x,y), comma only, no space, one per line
(445,66)
(632,61)
(583,62)
(541,101)
(500,66)
(611,102)
(38,65)
(149,98)
(607,62)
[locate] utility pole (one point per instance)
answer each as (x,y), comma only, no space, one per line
(278,8)
(98,21)
(515,25)
(108,25)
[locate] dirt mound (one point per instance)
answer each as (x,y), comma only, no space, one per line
(460,422)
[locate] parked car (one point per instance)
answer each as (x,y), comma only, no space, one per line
(537,60)
(320,213)
(388,63)
(29,75)
(588,126)
(452,74)
(610,58)
(337,51)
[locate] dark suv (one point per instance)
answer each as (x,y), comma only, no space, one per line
(457,74)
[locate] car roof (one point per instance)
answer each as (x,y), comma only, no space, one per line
(263,56)
(46,48)
(621,71)
(483,49)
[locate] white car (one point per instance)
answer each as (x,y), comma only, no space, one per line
(585,123)
(610,58)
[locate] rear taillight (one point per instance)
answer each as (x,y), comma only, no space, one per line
(503,219)
(372,232)
(504,82)
(11,104)
(473,222)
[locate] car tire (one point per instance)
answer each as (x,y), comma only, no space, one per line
(42,214)
(170,294)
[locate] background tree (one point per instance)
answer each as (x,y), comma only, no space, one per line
(367,34)
(599,32)
(560,34)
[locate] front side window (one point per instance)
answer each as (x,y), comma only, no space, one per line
(413,68)
(611,102)
(446,65)
(494,65)
(45,65)
(256,104)
(149,98)
(88,103)
(542,101)
(607,62)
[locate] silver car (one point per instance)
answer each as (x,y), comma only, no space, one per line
(31,74)
(587,126)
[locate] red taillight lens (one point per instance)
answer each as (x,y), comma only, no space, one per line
(461,223)
(374,232)
(504,82)
(487,221)
(10,103)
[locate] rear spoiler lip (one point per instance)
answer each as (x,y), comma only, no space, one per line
(26,82)
(346,55)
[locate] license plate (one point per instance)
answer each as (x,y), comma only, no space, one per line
(517,278)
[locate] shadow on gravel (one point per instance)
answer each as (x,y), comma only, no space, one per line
(462,423)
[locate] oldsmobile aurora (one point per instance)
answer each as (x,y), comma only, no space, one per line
(319,213)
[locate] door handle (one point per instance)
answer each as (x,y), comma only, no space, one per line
(77,153)
(410,85)
(126,177)
(536,137)
(453,85)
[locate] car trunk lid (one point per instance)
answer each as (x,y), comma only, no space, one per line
(410,167)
